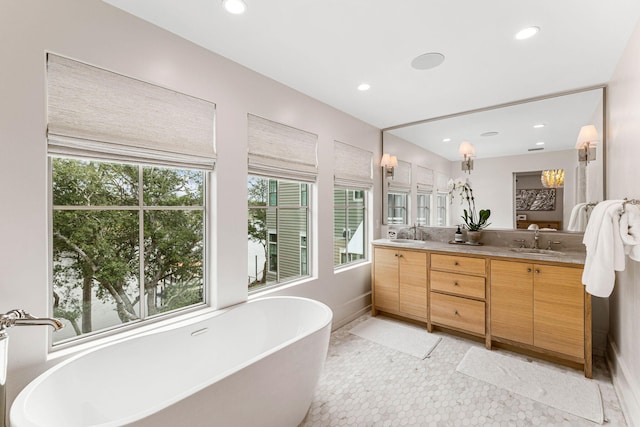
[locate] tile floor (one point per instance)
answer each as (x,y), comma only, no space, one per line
(365,384)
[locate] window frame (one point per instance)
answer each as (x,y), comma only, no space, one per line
(406,218)
(444,208)
(305,188)
(145,320)
(428,196)
(348,261)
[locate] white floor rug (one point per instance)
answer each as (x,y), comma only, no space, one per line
(576,395)
(410,339)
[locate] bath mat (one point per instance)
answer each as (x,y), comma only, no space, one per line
(406,338)
(576,395)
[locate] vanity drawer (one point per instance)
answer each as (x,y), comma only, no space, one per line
(457,312)
(458,264)
(459,284)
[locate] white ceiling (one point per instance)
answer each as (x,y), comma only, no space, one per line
(326,48)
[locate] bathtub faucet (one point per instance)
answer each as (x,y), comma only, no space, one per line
(22,318)
(7,320)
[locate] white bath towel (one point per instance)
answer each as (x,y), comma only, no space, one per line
(605,251)
(630,231)
(578,218)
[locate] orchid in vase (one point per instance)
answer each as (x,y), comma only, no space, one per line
(474,221)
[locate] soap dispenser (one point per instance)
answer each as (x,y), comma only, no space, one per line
(458,236)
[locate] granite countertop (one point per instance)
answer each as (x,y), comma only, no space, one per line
(486,250)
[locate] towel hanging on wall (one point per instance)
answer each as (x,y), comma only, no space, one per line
(630,231)
(605,250)
(612,232)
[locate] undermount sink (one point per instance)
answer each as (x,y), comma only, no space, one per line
(404,241)
(536,251)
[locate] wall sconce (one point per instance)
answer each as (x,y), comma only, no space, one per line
(467,151)
(586,145)
(552,178)
(388,162)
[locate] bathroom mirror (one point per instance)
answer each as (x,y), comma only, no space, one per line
(523,137)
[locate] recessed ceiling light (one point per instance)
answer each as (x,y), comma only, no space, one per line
(491,133)
(446,140)
(527,32)
(237,7)
(427,61)
(540,143)
(364,86)
(538,126)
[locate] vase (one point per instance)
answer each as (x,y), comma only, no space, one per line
(474,236)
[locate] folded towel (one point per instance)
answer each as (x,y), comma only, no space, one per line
(605,250)
(630,231)
(578,218)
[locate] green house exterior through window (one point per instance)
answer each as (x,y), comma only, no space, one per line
(278,217)
(349,226)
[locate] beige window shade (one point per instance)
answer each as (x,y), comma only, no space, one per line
(281,151)
(352,166)
(442,182)
(95,113)
(401,180)
(424,179)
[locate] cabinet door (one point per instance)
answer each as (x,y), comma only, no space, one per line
(559,309)
(413,283)
(512,301)
(386,293)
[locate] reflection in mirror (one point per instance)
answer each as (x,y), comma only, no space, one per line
(512,143)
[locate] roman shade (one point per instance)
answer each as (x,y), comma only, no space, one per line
(401,177)
(98,114)
(281,151)
(353,166)
(424,179)
(442,182)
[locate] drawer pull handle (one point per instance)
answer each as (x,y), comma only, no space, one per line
(528,270)
(396,254)
(537,271)
(455,284)
(400,255)
(455,313)
(456,263)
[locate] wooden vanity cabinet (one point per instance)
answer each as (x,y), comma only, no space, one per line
(400,282)
(543,306)
(457,292)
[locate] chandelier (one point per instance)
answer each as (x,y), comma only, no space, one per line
(552,178)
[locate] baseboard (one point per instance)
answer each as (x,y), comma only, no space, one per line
(339,324)
(627,387)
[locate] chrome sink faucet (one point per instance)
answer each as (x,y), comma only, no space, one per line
(536,240)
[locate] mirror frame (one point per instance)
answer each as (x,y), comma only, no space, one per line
(603,142)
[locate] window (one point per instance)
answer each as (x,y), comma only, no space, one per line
(397,208)
(442,209)
(129,200)
(349,225)
(304,259)
(128,242)
(277,231)
(423,209)
(273,192)
(273,252)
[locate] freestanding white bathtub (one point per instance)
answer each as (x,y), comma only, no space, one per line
(254,364)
